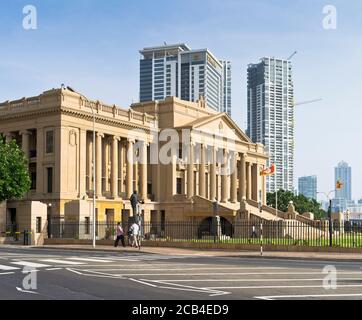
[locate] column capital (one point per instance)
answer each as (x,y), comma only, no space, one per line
(192,143)
(24,132)
(243,155)
(131,140)
(145,143)
(98,134)
(116,138)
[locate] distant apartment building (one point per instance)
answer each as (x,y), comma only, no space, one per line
(226,86)
(354,212)
(307,186)
(176,70)
(271,117)
(343,197)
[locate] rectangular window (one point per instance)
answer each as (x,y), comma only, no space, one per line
(87,226)
(33,181)
(49,141)
(163,220)
(38,225)
(179,185)
(32,172)
(50,180)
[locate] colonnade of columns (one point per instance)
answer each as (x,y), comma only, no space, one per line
(112,153)
(228,168)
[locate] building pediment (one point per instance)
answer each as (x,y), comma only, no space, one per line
(219,125)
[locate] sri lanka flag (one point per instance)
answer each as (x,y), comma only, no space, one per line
(268,171)
(339,185)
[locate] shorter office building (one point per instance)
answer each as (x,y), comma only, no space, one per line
(307,186)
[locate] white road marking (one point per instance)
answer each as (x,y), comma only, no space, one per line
(253,280)
(54,269)
(180,269)
(94,274)
(143,282)
(227,273)
(30,264)
(26,291)
(311,296)
(91,260)
(65,262)
(6,273)
(8,268)
(284,287)
(179,287)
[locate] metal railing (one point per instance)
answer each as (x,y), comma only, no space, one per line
(290,233)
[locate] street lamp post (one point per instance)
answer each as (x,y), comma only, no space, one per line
(94,176)
(329,216)
(215,222)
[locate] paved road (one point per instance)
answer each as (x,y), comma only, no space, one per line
(66,274)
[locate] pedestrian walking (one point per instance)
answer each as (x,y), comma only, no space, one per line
(120,236)
(135,229)
(253,234)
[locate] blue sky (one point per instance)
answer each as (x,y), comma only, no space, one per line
(93,46)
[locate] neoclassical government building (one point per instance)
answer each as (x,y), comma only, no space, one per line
(215,160)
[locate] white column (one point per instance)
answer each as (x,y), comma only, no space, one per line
(129,175)
(249,177)
(99,164)
(202,183)
(143,166)
(121,161)
(25,142)
(190,172)
(82,163)
(242,176)
(213,174)
(114,168)
(39,161)
(234,178)
(224,178)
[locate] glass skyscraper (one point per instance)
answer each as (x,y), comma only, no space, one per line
(343,198)
(307,186)
(271,117)
(226,86)
(176,70)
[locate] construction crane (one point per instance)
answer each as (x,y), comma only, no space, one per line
(294,53)
(306,102)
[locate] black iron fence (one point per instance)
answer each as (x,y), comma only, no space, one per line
(317,233)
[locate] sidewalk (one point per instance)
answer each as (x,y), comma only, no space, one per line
(343,257)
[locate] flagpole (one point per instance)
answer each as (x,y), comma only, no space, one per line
(276,194)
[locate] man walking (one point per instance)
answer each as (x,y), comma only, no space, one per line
(135,229)
(120,236)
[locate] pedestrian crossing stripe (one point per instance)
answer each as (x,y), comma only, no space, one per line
(62,261)
(8,268)
(30,264)
(91,260)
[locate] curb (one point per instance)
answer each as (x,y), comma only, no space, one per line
(90,250)
(320,259)
(240,256)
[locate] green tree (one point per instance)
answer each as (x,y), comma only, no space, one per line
(14,173)
(302,204)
